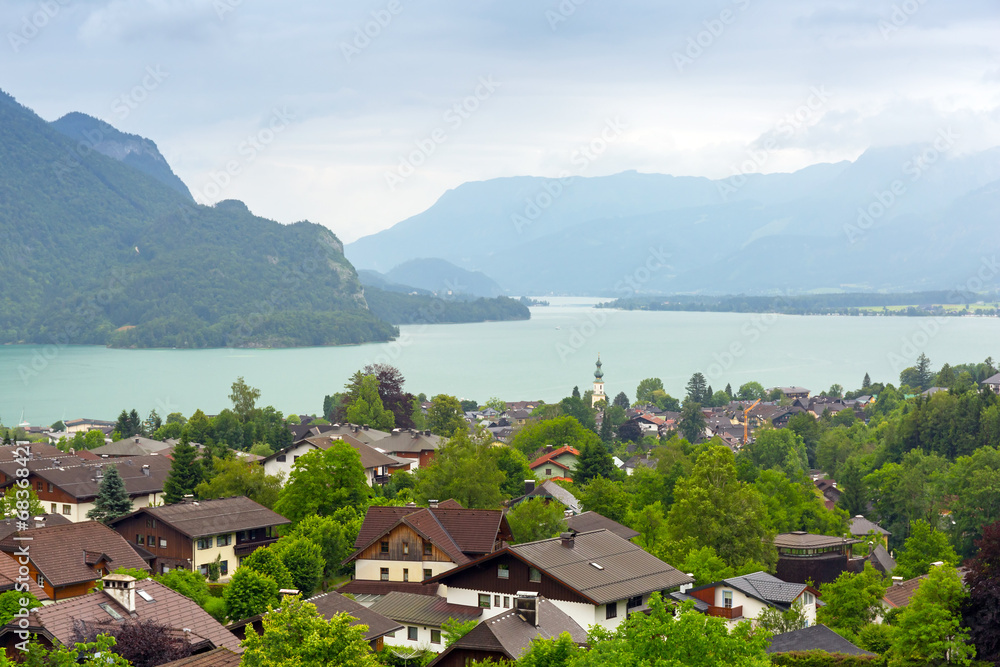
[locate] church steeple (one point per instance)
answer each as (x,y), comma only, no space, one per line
(598,394)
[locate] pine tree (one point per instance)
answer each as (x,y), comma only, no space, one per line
(607,430)
(134,423)
(867,382)
(112,498)
(185,473)
(594,461)
(729,390)
(576,392)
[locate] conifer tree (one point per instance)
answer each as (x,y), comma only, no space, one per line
(112,498)
(185,473)
(867,382)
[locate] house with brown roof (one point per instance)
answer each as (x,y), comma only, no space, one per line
(421,618)
(375,462)
(898,595)
(588,521)
(419,447)
(595,577)
(68,560)
(507,636)
(134,446)
(193,533)
(399,547)
(555,463)
(121,599)
(217,657)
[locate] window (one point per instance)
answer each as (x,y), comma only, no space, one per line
(406,574)
(428,549)
(406,548)
(427,573)
(40,486)
(204,544)
(223,540)
(140,539)
(203,569)
(295,458)
(411,633)
(151,541)
(110,611)
(163,543)
(224,568)
(506,602)
(384,573)
(534,574)
(548,472)
(503,571)
(634,602)
(611,610)
(435,636)
(384,547)
(41,582)
(67,509)
(484,600)
(53,509)
(496,600)
(807,598)
(391,634)
(145,596)
(50,487)
(727,599)
(281,458)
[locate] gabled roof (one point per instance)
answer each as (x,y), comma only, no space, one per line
(762,586)
(992,380)
(549,489)
(622,569)
(360,433)
(378,587)
(142,475)
(199,518)
(582,523)
(8,526)
(328,604)
(410,441)
(60,553)
(167,607)
(422,609)
(370,457)
(882,560)
(814,638)
(899,594)
(510,634)
(217,657)
(9,577)
(549,458)
(861,526)
(135,446)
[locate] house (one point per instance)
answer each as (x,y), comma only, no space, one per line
(992,383)
(417,446)
(882,560)
(549,491)
(86,425)
(638,461)
(11,525)
(422,617)
(861,528)
(588,521)
(594,577)
(374,461)
(399,547)
(744,598)
(831,494)
(507,636)
(898,595)
(124,597)
(814,638)
(134,446)
(12,579)
(555,463)
(69,485)
(793,392)
(68,560)
(804,557)
(193,533)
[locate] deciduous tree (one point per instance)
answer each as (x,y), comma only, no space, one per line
(981,612)
(606,497)
(464,469)
(535,519)
(445,416)
(853,600)
(235,477)
(244,398)
(323,481)
(928,630)
(644,392)
(367,408)
(304,561)
(923,547)
(249,593)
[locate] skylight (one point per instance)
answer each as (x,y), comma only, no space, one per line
(144,595)
(599,567)
(111,612)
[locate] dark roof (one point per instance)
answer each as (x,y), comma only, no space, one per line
(409,441)
(371,587)
(370,457)
(550,489)
(762,586)
(365,435)
(422,609)
(699,605)
(993,379)
(60,552)
(899,594)
(8,526)
(83,481)
(624,569)
(882,560)
(212,517)
(217,657)
(803,540)
(510,634)
(136,446)
(814,638)
(328,604)
(588,521)
(38,450)
(861,526)
(167,607)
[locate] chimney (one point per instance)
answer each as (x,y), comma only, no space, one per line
(526,606)
(567,539)
(39,522)
(529,486)
(145,470)
(432,503)
(937,563)
(366,427)
(121,589)
(137,440)
(896,581)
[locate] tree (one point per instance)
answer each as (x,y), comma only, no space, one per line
(621,401)
(665,637)
(552,652)
(713,508)
(706,566)
(777,621)
(267,561)
(650,521)
(143,642)
(644,392)
(780,449)
(99,653)
(445,416)
(981,613)
(112,498)
(751,391)
(576,392)
(535,519)
(514,466)
(295,634)
(928,630)
(923,547)
(185,473)
(594,461)
(692,421)
(607,433)
(334,534)
(235,477)
(867,382)
(924,375)
(465,469)
(244,398)
(852,600)
(249,593)
(453,629)
(854,497)
(630,431)
(606,497)
(367,408)
(496,404)
(697,388)
(188,583)
(390,390)
(30,505)
(323,481)
(303,559)
(11,603)
(809,429)
(554,433)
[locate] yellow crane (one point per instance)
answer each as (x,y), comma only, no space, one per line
(746,420)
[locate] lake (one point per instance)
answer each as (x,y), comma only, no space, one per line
(539,359)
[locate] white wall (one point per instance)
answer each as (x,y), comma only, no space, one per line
(207,556)
(423,641)
(371,569)
(584,614)
(273,466)
(78,511)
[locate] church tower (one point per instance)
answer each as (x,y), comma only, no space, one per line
(599,394)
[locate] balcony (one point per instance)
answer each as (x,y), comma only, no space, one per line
(728,613)
(245,547)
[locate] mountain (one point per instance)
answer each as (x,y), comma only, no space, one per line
(651,233)
(109,250)
(443,278)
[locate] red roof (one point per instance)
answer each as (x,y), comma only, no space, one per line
(546,458)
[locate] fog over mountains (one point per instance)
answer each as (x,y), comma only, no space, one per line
(896,219)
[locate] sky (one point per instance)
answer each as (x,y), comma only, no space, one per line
(357,115)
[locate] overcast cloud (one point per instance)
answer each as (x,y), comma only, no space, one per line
(326,123)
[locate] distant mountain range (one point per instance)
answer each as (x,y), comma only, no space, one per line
(896,219)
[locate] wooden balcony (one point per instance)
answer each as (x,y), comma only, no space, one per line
(246,547)
(728,613)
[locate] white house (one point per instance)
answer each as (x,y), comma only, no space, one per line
(744,598)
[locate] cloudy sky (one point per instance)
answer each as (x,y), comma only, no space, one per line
(359,114)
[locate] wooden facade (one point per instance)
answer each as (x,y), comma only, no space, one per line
(461,657)
(69,591)
(485,577)
(149,533)
(404,545)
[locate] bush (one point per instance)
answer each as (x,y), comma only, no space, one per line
(824,659)
(875,637)
(216,607)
